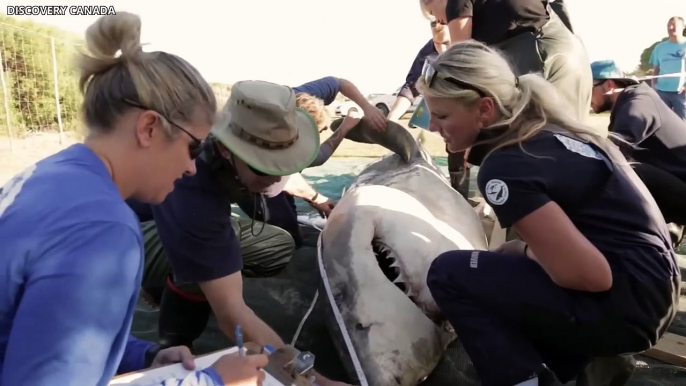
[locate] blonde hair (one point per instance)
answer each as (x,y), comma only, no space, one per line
(527,103)
(158,81)
(315,107)
(425,12)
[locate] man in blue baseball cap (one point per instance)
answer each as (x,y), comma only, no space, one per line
(648,132)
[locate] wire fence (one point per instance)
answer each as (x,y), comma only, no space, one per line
(39,87)
(39,82)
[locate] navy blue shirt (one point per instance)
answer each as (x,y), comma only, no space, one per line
(494,21)
(613,209)
(326,88)
(194,225)
(641,118)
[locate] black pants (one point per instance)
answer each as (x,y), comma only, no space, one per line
(512,318)
(668,191)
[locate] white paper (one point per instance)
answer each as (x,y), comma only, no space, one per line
(160,374)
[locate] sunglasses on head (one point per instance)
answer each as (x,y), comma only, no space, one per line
(194,148)
(431,72)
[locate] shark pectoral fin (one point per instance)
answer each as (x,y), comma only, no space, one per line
(395,138)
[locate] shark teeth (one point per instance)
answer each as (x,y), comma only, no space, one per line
(398,279)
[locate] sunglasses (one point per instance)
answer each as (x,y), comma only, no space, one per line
(430,73)
(252,169)
(257,172)
(194,148)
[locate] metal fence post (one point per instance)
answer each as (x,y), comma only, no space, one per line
(57,88)
(6,96)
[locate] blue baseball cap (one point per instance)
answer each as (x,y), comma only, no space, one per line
(607,69)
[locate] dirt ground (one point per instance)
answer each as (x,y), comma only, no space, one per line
(35,147)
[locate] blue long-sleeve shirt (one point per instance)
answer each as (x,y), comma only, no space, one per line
(71,262)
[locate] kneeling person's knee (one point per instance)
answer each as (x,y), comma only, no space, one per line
(270,255)
(445,274)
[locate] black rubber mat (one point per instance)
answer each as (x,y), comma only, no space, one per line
(283,300)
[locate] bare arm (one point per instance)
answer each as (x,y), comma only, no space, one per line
(225,296)
(329,146)
(299,187)
(656,71)
(351,91)
(564,253)
(460,29)
(371,113)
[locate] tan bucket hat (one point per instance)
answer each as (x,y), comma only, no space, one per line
(261,125)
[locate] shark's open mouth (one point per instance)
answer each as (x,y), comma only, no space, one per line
(388,262)
(392,268)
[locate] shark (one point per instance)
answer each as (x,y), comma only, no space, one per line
(374,253)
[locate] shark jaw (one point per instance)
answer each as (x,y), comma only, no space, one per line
(393,267)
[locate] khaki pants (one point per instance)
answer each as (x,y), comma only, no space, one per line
(560,57)
(263,255)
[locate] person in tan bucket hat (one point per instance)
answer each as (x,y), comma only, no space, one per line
(196,250)
(262,126)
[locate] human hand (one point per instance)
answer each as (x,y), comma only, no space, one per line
(515,247)
(172,355)
(323,205)
(235,370)
(375,117)
(349,122)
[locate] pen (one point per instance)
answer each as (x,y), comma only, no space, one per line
(239,340)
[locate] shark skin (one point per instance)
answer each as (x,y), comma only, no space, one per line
(375,251)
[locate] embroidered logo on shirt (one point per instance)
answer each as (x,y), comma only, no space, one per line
(497,192)
(578,147)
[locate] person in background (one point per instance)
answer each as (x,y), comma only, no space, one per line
(594,274)
(192,245)
(457,167)
(439,42)
(560,9)
(313,97)
(532,36)
(648,132)
(71,248)
(669,57)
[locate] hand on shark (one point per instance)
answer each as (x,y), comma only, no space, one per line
(323,205)
(376,119)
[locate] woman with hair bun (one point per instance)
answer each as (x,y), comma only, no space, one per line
(594,274)
(72,255)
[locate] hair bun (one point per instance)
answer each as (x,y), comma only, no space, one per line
(113,33)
